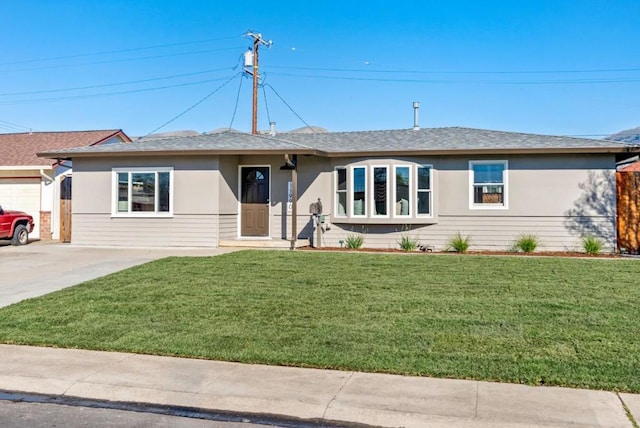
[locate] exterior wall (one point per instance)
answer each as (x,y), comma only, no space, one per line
(195,204)
(178,231)
(557,198)
(45,225)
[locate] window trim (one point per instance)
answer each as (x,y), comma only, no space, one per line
(345,191)
(430,191)
(351,191)
(505,186)
(373,196)
(411,188)
(140,214)
(391,217)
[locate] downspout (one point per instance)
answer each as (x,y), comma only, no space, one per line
(46,177)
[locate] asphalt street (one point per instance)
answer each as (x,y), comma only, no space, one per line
(43,415)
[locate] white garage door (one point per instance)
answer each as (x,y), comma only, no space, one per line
(22,194)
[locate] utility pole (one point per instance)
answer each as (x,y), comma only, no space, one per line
(257,41)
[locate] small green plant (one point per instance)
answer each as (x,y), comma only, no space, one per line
(459,243)
(407,243)
(592,245)
(527,243)
(353,241)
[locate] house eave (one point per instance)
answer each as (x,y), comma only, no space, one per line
(24,167)
(457,152)
(129,153)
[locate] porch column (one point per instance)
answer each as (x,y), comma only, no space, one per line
(294,207)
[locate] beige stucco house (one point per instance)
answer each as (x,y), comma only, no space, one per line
(240,189)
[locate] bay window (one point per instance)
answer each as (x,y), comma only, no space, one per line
(373,193)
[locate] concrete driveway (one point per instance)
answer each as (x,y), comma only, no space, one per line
(43,266)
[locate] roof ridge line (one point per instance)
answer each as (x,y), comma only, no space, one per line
(283,140)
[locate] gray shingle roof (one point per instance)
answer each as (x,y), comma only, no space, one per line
(452,140)
(443,139)
(221,142)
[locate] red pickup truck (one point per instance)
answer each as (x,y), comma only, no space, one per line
(15,225)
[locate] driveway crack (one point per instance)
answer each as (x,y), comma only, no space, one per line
(326,409)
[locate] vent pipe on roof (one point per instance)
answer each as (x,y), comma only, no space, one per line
(272,128)
(416,107)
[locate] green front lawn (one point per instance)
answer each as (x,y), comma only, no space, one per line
(533,320)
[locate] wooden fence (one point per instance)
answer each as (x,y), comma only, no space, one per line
(628,207)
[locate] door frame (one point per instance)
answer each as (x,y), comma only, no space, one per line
(239,223)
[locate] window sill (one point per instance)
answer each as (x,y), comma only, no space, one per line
(488,207)
(384,220)
(142,215)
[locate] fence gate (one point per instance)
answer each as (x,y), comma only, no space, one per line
(65,209)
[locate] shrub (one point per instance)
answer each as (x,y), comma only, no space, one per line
(459,243)
(354,241)
(592,245)
(407,243)
(527,243)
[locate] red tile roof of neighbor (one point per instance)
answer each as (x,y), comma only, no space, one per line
(21,149)
(632,167)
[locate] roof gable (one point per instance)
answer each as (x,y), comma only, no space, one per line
(21,149)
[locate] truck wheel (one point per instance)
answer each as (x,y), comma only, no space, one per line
(20,235)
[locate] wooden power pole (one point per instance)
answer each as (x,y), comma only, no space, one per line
(257,41)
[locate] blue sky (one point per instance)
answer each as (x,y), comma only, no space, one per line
(553,67)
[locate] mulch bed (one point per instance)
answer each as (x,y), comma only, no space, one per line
(482,253)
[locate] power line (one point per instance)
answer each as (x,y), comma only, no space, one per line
(290,108)
(235,109)
(459,81)
(116,51)
(194,105)
(266,105)
(107,94)
(10,125)
(122,60)
(369,70)
(106,85)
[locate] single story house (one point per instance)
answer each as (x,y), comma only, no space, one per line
(32,184)
(242,189)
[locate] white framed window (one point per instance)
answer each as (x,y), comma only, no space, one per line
(142,192)
(402,191)
(380,190)
(488,184)
(359,191)
(342,194)
(423,191)
(396,192)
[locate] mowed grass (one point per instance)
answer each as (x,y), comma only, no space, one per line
(533,320)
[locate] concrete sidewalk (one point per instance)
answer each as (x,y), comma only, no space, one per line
(306,394)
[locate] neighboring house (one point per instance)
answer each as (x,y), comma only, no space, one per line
(233,188)
(32,184)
